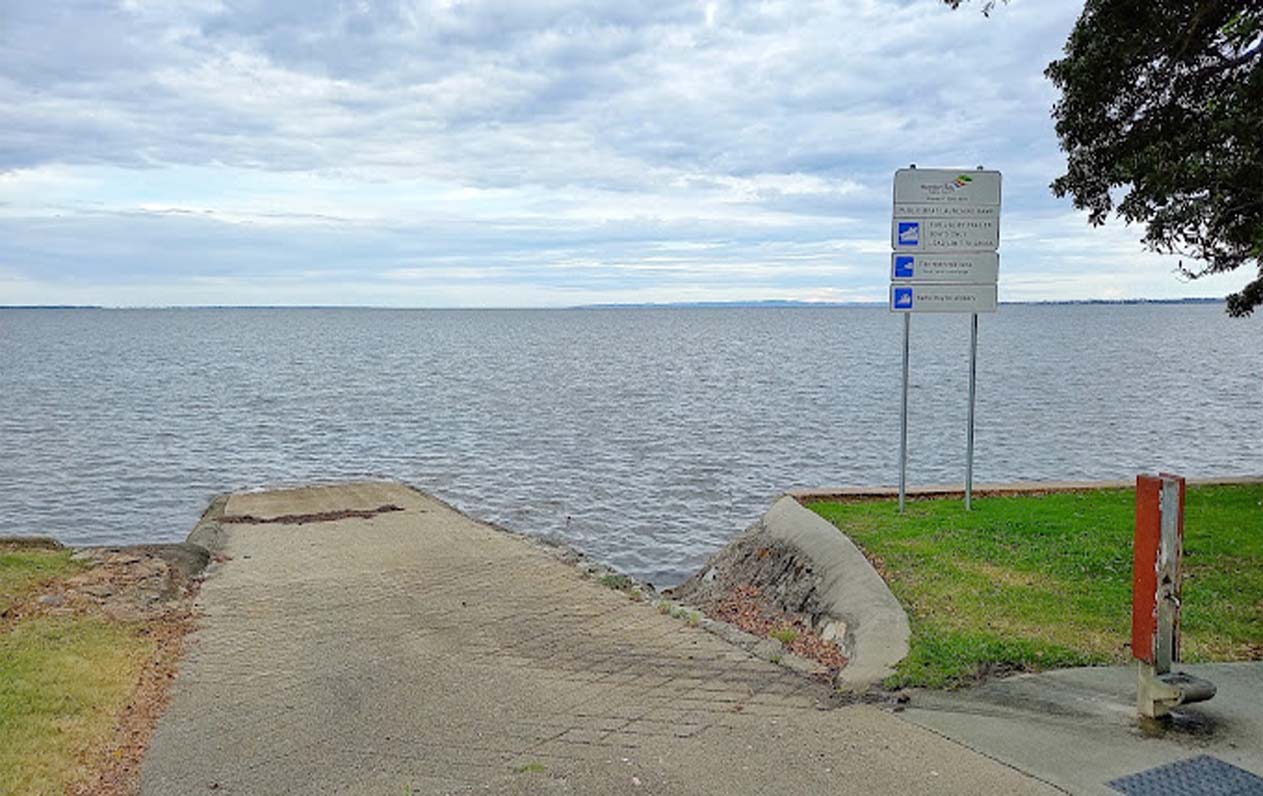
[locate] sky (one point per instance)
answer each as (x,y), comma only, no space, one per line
(492,153)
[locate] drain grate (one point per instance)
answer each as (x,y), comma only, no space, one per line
(1198,776)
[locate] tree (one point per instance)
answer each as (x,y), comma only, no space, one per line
(1161,120)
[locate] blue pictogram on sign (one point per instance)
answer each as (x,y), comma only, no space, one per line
(909,233)
(903,298)
(904,266)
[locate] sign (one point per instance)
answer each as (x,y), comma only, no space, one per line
(947,188)
(942,298)
(966,267)
(947,234)
(944,232)
(945,210)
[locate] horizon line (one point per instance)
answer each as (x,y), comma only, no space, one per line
(751,303)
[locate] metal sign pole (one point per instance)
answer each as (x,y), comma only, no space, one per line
(903,418)
(969,438)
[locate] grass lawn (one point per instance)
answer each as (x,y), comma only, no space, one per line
(24,569)
(1038,582)
(63,679)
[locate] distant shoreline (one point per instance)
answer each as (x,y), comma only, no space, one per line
(664,305)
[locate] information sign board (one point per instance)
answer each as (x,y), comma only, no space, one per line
(942,298)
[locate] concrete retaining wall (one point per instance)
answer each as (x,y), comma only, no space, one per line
(805,565)
(850,590)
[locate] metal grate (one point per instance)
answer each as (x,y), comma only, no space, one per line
(1197,776)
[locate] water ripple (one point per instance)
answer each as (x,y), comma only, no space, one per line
(645,437)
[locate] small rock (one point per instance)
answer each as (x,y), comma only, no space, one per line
(53,600)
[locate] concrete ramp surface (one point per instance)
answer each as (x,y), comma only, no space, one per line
(346,647)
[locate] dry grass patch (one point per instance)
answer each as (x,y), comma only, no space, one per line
(87,652)
(24,569)
(63,680)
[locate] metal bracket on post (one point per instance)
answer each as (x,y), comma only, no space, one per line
(1156,583)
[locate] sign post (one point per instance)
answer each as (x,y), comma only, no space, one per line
(903,417)
(944,233)
(969,439)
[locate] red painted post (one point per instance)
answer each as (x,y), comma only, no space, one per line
(1144,594)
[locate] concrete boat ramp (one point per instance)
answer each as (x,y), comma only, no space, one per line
(369,639)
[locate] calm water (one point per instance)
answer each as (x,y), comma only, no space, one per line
(644,437)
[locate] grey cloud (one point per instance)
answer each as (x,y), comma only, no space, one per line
(630,106)
(488,93)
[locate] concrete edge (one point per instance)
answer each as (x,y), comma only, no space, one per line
(994,490)
(209,533)
(877,628)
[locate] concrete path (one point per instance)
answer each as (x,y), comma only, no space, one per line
(1077,728)
(420,652)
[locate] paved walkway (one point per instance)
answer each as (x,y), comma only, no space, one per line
(1078,728)
(420,652)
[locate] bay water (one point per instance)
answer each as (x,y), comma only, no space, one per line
(645,437)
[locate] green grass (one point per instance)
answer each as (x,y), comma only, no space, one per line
(534,767)
(63,680)
(1037,582)
(616,582)
(786,635)
(24,569)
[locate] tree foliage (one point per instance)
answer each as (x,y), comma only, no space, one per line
(1161,119)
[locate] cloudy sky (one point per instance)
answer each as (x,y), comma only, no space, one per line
(512,153)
